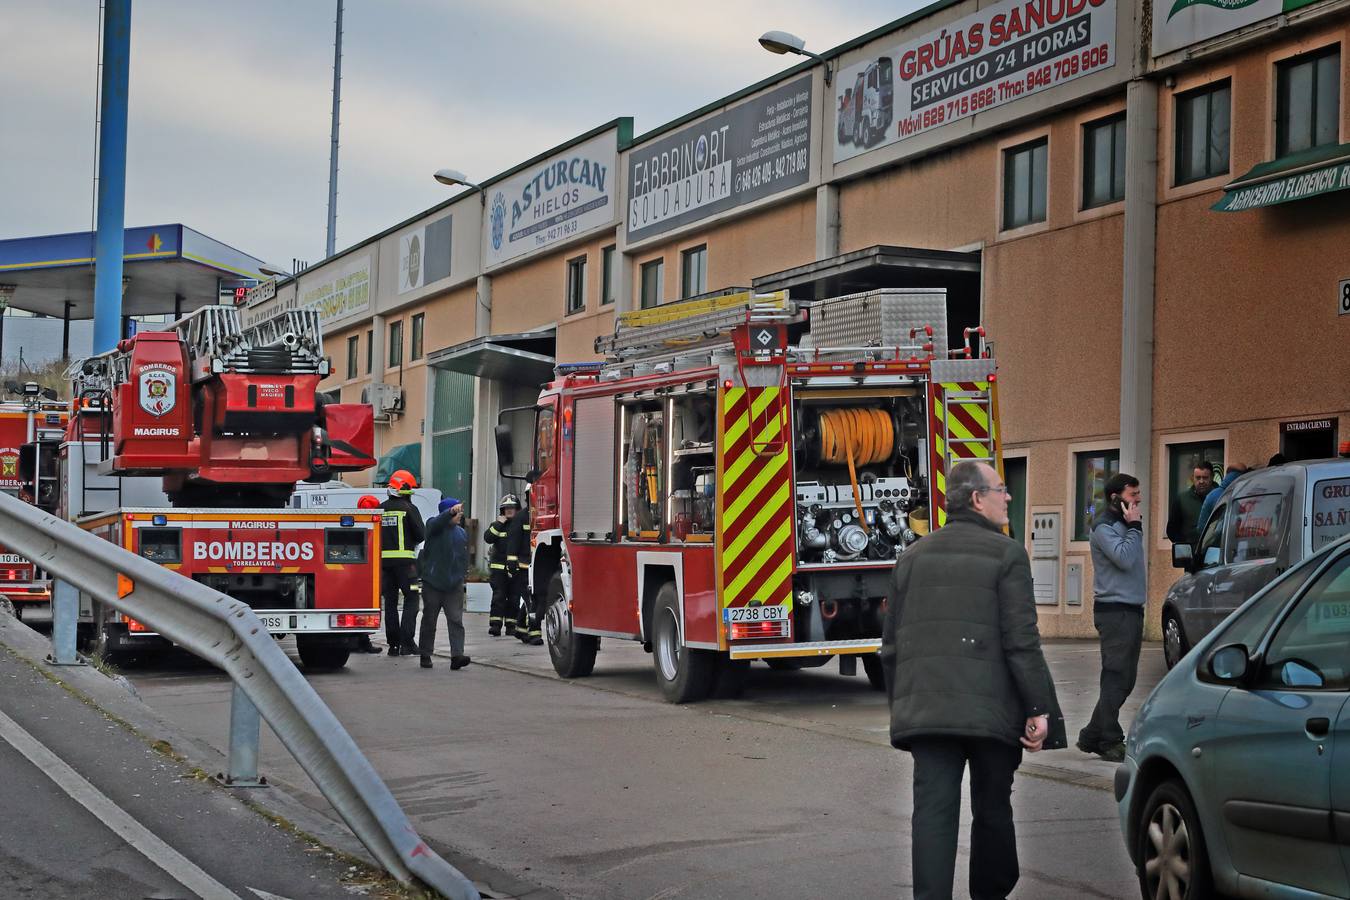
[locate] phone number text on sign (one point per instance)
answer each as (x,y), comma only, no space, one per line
(1009,89)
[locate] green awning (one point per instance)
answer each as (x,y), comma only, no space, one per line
(404,456)
(1296,177)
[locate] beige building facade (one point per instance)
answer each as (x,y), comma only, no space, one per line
(1147,208)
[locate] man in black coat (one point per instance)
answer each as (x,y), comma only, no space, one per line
(967,682)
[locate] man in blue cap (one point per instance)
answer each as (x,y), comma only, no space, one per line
(445,569)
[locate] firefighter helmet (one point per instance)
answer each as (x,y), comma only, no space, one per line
(369,501)
(402,482)
(508,500)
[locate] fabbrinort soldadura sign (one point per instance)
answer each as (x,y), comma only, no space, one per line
(752,150)
(556,200)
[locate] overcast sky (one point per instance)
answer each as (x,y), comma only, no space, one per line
(231,101)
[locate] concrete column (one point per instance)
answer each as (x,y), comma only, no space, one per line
(378,360)
(827,221)
(482,319)
(627,274)
(487,402)
(1136,324)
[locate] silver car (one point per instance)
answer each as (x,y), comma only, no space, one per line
(1236,777)
(1265,521)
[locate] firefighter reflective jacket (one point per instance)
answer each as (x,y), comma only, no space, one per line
(401,530)
(510,542)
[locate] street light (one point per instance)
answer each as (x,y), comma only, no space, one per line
(454,177)
(781,42)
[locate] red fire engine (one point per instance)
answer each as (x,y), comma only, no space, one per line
(28,424)
(737,480)
(186,447)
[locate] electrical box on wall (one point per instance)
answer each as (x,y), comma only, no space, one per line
(1073,583)
(1045,531)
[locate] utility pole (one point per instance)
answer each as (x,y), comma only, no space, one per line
(333,153)
(112,175)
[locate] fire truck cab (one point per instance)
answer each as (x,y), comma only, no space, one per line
(738,479)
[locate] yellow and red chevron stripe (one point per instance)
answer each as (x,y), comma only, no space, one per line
(969,426)
(754,530)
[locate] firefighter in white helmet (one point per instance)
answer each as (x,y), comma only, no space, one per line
(503,612)
(519,550)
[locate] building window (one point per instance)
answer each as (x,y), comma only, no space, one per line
(395,343)
(694,271)
(1182,461)
(1104,161)
(352,344)
(608,257)
(576,284)
(653,282)
(1091,472)
(370,352)
(1202,126)
(1024,177)
(1308,101)
(418,328)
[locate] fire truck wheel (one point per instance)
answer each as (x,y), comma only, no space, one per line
(729,682)
(322,652)
(684,673)
(875,676)
(573,654)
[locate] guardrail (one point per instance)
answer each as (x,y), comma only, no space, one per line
(226,633)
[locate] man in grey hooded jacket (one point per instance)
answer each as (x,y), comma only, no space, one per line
(1119,591)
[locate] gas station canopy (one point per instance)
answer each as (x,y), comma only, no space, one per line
(167,269)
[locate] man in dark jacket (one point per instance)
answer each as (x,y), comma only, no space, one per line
(1183,519)
(445,568)
(401,530)
(967,682)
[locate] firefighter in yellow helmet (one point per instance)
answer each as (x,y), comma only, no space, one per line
(401,530)
(504,603)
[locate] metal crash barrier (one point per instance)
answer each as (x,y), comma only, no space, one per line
(225,632)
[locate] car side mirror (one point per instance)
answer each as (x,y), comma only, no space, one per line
(1230,664)
(505,455)
(1182,556)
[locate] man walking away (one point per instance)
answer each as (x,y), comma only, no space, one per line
(497,537)
(1183,519)
(967,682)
(401,530)
(1119,590)
(445,568)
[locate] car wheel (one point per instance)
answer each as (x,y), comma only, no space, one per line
(1173,864)
(572,654)
(1175,645)
(685,674)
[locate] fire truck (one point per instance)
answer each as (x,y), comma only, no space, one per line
(32,422)
(185,446)
(737,479)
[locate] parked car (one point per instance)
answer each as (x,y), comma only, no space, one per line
(1266,521)
(1236,777)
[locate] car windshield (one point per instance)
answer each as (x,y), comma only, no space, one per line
(1250,623)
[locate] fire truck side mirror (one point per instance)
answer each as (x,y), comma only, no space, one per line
(505,455)
(50,394)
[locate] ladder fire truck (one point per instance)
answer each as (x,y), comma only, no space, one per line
(29,424)
(736,481)
(185,446)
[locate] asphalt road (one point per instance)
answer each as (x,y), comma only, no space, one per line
(597,788)
(159,832)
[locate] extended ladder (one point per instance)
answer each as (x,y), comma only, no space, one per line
(681,327)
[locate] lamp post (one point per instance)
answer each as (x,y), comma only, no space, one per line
(781,42)
(454,177)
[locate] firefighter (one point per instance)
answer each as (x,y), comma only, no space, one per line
(518,568)
(401,530)
(363,643)
(497,536)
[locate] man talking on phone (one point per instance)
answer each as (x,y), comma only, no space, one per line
(1119,591)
